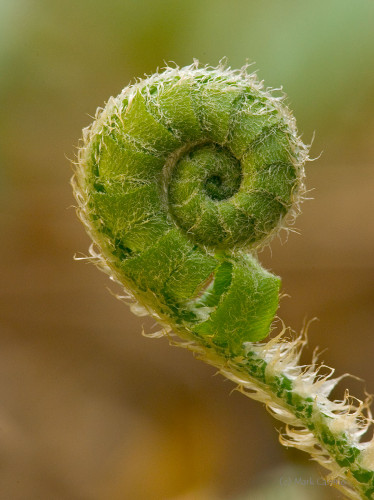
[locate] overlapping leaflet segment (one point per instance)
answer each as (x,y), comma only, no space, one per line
(181,179)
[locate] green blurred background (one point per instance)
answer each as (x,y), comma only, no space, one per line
(89,408)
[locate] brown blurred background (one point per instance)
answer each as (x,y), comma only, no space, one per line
(89,408)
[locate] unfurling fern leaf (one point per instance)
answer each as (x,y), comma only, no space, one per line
(181,179)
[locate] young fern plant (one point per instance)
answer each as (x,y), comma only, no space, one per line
(180,181)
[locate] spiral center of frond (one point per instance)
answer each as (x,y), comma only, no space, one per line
(223,172)
(202,184)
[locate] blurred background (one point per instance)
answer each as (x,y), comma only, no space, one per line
(89,408)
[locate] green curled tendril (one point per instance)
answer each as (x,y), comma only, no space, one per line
(181,179)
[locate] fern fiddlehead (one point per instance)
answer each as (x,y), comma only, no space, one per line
(181,180)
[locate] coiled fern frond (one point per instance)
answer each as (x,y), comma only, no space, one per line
(180,180)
